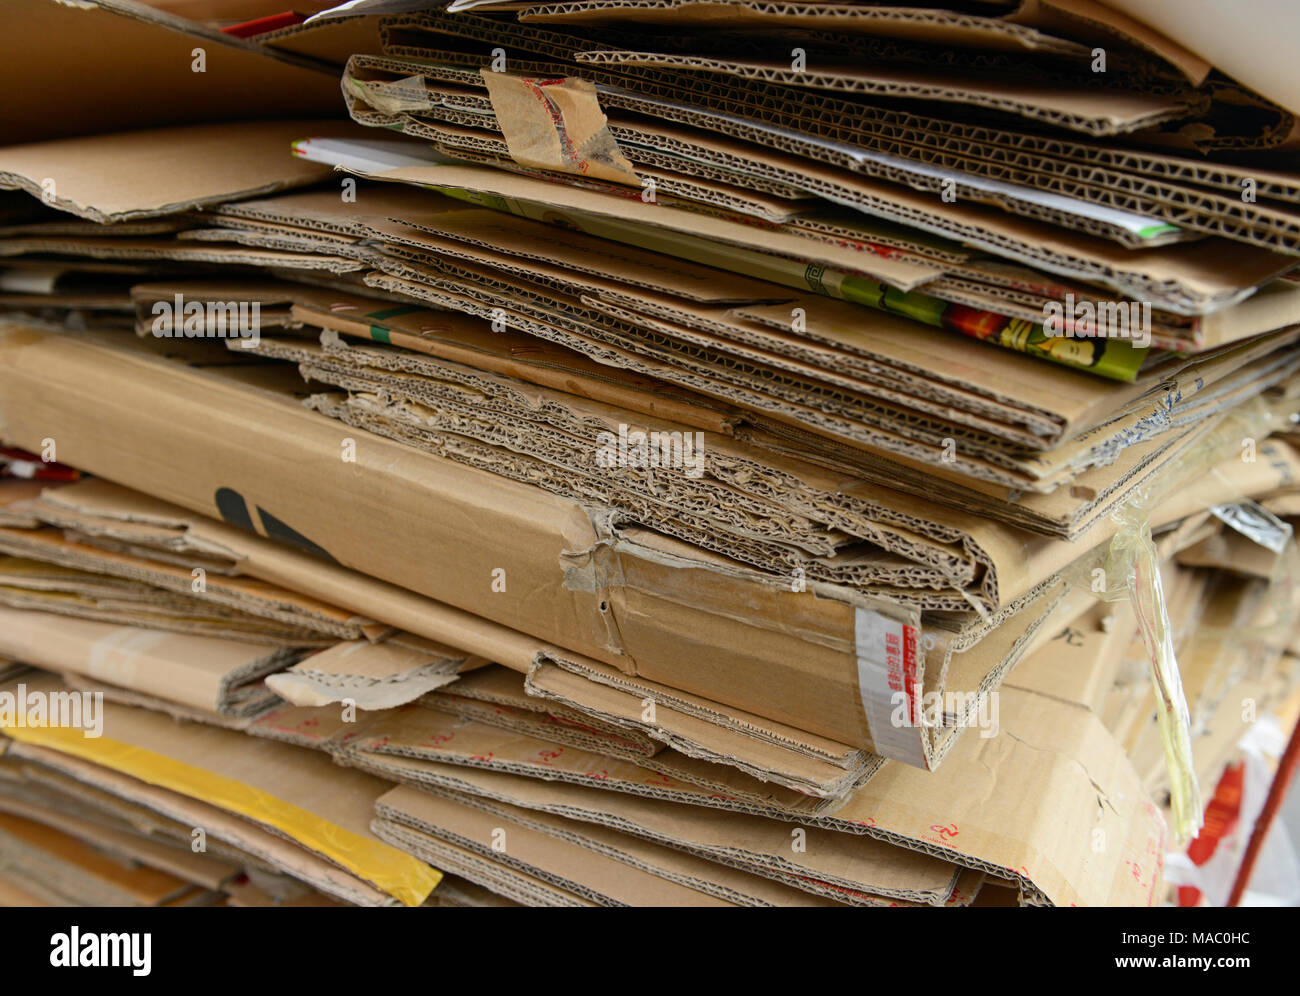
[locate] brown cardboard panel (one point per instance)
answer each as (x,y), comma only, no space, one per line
(496,836)
(733,106)
(461,892)
(75,870)
(298,793)
(697,736)
(605,331)
(26,585)
(1113,178)
(1022,804)
(906,441)
(246,595)
(324,210)
(16,891)
(1188,278)
(1068,511)
(63,795)
(243,893)
(886,139)
(333,41)
(712,195)
(502,184)
(181,249)
(495,685)
(202,672)
(543,527)
(556,547)
(1168,388)
(412,745)
(112,65)
(295,571)
(718,881)
(1089,19)
(271,850)
(1076,660)
(1251,51)
(496,696)
(1231,551)
(1094,112)
(985,803)
(544,245)
(751,843)
(515,885)
(946,27)
(462,338)
(699,599)
(397,670)
(60,225)
(229,10)
(418,411)
(864,333)
(159,171)
(262,238)
(574,813)
(196,868)
(952,838)
(773,394)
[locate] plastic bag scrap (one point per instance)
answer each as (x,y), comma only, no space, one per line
(1130,568)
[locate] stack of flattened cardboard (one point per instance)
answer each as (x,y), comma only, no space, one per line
(609,490)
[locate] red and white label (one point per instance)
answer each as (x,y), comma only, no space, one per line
(887,653)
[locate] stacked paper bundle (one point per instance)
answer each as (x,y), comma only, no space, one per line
(655,452)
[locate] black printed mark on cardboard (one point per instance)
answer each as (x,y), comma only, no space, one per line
(234,510)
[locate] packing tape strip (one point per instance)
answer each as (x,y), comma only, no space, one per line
(557,124)
(887,653)
(403,877)
(392,96)
(114,658)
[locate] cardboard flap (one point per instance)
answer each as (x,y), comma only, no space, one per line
(1257,50)
(140,174)
(109,65)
